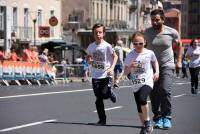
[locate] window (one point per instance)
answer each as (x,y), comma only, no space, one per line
(14,18)
(39,17)
(2,13)
(52,13)
(2,19)
(26,12)
(26,17)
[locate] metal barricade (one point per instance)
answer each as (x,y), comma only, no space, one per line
(68,72)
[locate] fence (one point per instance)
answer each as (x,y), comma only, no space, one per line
(68,72)
(25,71)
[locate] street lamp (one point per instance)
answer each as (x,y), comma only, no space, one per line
(34,31)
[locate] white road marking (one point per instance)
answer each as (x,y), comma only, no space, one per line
(47,93)
(176,96)
(112,108)
(60,92)
(182,83)
(26,125)
(50,93)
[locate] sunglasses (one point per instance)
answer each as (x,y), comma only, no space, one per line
(138,43)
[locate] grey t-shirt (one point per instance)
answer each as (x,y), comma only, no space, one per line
(119,52)
(161,44)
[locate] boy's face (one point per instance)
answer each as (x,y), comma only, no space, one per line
(98,34)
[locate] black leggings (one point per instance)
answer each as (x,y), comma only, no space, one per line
(194,73)
(141,96)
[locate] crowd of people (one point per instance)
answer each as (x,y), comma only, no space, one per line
(150,67)
(29,54)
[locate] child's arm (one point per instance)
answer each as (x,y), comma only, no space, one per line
(110,70)
(156,69)
(127,70)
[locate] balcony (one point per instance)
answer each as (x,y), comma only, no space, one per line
(22,33)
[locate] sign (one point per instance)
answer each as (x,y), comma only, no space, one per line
(53,21)
(44,31)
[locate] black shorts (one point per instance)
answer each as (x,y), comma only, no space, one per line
(102,87)
(141,96)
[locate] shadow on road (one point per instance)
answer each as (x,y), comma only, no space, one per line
(93,124)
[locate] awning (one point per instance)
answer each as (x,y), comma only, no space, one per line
(62,45)
(187,41)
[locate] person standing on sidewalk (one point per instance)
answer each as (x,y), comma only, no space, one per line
(103,60)
(118,71)
(160,39)
(139,65)
(193,53)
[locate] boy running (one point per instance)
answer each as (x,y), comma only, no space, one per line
(103,59)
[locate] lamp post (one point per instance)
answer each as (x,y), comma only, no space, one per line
(34,32)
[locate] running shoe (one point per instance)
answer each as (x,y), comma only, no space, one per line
(167,123)
(192,90)
(115,85)
(159,123)
(148,127)
(143,131)
(101,122)
(113,97)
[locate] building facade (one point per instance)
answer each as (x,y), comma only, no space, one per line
(111,13)
(190,18)
(20,21)
(75,14)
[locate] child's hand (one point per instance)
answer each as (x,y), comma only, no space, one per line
(133,64)
(110,71)
(156,76)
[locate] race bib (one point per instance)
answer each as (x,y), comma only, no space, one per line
(98,65)
(136,79)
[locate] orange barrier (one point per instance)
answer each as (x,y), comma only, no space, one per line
(11,70)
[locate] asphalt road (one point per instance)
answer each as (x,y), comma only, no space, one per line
(70,109)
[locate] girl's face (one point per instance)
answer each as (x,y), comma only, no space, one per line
(138,43)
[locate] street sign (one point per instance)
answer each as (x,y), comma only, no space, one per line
(53,21)
(44,31)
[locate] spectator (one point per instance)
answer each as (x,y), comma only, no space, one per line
(26,55)
(14,56)
(34,54)
(1,54)
(118,71)
(193,53)
(44,56)
(85,69)
(184,67)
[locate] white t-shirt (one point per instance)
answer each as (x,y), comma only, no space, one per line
(102,55)
(194,56)
(143,73)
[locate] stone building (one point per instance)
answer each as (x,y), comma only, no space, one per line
(190,18)
(112,13)
(21,20)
